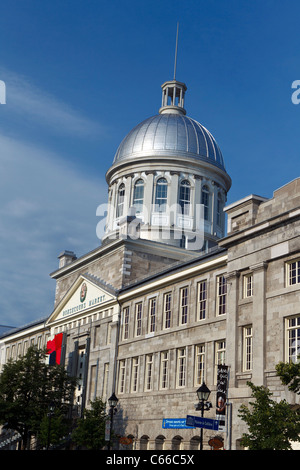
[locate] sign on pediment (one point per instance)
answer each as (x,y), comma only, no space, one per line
(84,295)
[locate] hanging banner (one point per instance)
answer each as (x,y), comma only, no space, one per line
(222,384)
(54,349)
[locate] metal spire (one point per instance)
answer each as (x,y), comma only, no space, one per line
(175,64)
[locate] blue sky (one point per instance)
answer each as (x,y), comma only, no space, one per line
(80,74)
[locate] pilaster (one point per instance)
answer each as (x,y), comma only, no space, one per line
(259,322)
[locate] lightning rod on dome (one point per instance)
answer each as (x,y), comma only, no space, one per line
(175,63)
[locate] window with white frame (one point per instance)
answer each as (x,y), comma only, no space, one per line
(202,299)
(122,369)
(152,315)
(138,195)
(125,323)
(248,285)
(121,200)
(185,197)
(181,367)
(221,295)
(205,200)
(164,370)
(220,350)
(167,310)
(199,363)
(184,303)
(247,348)
(161,195)
(148,372)
(134,374)
(138,319)
(293,272)
(293,339)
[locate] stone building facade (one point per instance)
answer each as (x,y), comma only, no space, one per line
(149,318)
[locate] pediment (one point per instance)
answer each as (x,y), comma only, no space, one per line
(87,293)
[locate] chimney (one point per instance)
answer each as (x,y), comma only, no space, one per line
(66,257)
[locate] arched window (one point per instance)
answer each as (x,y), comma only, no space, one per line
(219,210)
(159,442)
(144,443)
(176,443)
(185,197)
(195,443)
(121,200)
(205,201)
(161,195)
(138,195)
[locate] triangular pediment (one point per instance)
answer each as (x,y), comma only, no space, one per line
(87,293)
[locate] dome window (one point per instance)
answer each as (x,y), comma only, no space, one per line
(121,200)
(219,210)
(161,195)
(185,197)
(138,195)
(205,201)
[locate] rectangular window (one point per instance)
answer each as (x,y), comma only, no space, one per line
(219,355)
(181,367)
(152,313)
(164,367)
(138,319)
(202,299)
(293,339)
(293,273)
(121,387)
(149,369)
(126,323)
(221,295)
(167,310)
(184,293)
(247,348)
(199,364)
(248,286)
(134,374)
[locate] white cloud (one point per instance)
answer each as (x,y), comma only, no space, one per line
(34,104)
(46,207)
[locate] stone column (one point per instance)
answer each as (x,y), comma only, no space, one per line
(113,359)
(232,279)
(259,322)
(173,198)
(148,197)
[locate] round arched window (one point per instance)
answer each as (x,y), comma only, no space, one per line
(138,195)
(121,200)
(185,197)
(161,195)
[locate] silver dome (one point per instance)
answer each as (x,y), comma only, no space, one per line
(170,135)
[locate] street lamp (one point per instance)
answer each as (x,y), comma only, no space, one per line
(112,401)
(203,393)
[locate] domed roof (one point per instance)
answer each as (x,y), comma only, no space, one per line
(169,134)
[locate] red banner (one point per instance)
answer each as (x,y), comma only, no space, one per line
(54,349)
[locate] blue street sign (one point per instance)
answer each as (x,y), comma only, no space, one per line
(198,422)
(172,423)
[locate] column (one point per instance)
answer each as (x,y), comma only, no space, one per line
(148,197)
(259,322)
(231,359)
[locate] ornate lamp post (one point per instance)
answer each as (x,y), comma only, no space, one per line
(112,401)
(203,393)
